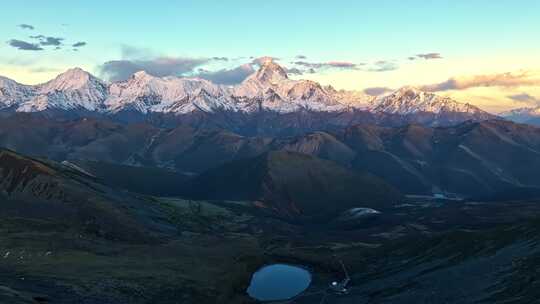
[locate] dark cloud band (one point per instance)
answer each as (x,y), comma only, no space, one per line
(228,76)
(376,91)
(47,40)
(118,70)
(428,56)
(314,67)
(524,97)
(23,45)
(26,26)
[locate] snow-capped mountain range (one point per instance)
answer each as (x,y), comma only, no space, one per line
(268,89)
(410,100)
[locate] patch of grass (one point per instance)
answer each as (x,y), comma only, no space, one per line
(203,217)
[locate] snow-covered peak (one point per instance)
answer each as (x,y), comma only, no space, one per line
(409,100)
(73,89)
(72,79)
(271,72)
(412,90)
(12,92)
(142,75)
(354,99)
(144,92)
(410,95)
(269,75)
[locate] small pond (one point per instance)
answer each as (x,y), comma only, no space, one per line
(278,282)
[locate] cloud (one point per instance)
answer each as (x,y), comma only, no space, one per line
(522,78)
(426,56)
(227,76)
(26,26)
(263,59)
(307,64)
(117,70)
(47,40)
(327,65)
(429,56)
(79,44)
(44,70)
(51,41)
(450,84)
(131,52)
(134,59)
(383,66)
(376,91)
(524,97)
(301,57)
(342,64)
(19,61)
(23,45)
(294,71)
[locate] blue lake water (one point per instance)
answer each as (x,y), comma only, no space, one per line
(278,282)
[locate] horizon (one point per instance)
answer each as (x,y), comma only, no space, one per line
(460,50)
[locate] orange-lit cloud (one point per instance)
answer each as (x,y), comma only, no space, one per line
(525,97)
(516,79)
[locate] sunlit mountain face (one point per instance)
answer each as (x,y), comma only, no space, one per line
(246,152)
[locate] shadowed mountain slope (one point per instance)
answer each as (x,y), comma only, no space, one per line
(51,195)
(294,185)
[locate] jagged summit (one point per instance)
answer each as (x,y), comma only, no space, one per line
(271,72)
(409,100)
(141,75)
(74,89)
(409,89)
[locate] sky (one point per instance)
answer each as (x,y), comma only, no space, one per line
(483,52)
